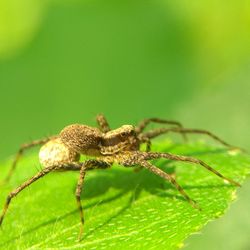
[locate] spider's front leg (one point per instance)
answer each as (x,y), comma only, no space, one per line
(160,131)
(147,141)
(141,158)
(144,123)
(169,178)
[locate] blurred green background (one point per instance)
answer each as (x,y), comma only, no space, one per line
(63,62)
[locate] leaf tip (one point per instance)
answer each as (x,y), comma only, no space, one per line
(233,195)
(235,151)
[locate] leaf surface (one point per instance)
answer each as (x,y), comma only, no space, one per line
(123,209)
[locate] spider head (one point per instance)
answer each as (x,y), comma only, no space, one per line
(123,138)
(125,133)
(82,139)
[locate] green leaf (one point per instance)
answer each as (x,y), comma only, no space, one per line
(123,209)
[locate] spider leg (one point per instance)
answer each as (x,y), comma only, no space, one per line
(78,197)
(148,148)
(153,155)
(144,123)
(157,132)
(103,123)
(169,178)
(20,153)
(87,165)
(16,191)
(148,144)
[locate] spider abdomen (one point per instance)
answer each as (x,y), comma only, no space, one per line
(54,152)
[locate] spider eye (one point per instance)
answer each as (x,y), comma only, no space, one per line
(132,132)
(123,134)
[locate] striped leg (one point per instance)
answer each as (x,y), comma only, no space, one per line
(160,131)
(87,165)
(153,155)
(169,178)
(144,123)
(103,123)
(20,153)
(16,191)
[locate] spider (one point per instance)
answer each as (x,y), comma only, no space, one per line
(121,146)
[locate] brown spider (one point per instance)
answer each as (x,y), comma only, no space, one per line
(121,146)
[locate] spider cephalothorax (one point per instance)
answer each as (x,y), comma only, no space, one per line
(118,140)
(106,146)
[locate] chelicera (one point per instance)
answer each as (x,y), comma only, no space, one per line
(106,147)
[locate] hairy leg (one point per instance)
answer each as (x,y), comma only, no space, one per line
(78,197)
(144,123)
(153,155)
(87,165)
(169,178)
(148,148)
(21,151)
(103,123)
(160,131)
(16,191)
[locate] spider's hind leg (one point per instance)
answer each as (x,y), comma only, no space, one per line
(16,191)
(20,152)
